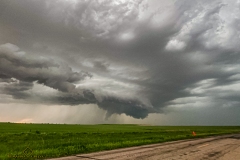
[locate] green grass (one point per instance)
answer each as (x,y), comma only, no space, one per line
(56,140)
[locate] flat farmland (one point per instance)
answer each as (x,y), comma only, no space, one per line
(40,141)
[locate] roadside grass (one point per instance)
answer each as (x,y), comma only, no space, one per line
(40,141)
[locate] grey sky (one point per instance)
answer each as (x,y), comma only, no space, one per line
(163,62)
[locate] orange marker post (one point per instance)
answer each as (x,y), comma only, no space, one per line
(193,133)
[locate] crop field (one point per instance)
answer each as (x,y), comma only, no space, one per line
(40,141)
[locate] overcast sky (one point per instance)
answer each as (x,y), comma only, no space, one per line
(159,62)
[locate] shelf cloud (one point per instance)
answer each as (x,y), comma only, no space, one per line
(135,57)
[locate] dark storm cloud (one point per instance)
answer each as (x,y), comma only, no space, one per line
(19,72)
(133,109)
(142,60)
(101,66)
(17,89)
(15,65)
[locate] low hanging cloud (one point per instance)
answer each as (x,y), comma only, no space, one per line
(19,74)
(131,57)
(15,65)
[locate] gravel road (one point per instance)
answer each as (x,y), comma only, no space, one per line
(225,147)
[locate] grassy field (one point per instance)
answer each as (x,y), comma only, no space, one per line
(39,141)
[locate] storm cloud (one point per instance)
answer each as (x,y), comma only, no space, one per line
(133,57)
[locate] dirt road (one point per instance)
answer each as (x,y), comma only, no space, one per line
(214,148)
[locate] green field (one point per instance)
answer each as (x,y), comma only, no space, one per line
(56,140)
